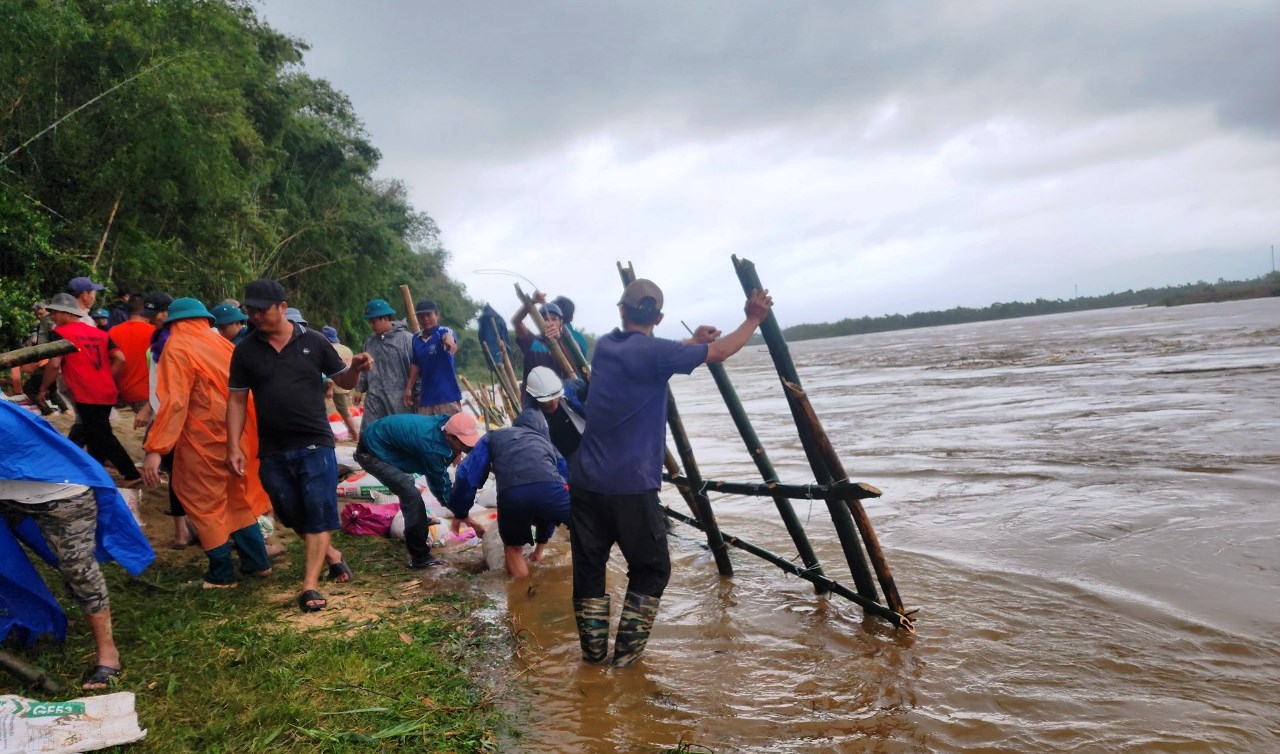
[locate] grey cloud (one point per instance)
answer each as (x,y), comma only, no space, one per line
(502,79)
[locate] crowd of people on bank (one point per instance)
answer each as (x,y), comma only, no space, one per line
(233,401)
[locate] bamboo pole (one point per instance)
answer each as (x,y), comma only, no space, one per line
(836,467)
(20,356)
(695,496)
(820,582)
(579,358)
(757,452)
(508,392)
(506,375)
(719,550)
(511,372)
(102,244)
(29,673)
(407,297)
(487,409)
(553,344)
(859,490)
(841,518)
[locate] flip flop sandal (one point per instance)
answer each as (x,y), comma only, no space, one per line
(431,563)
(101,676)
(306,598)
(338,569)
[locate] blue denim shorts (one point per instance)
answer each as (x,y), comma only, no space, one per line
(303,486)
(540,505)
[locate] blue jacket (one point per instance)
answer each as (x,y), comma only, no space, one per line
(35,452)
(519,454)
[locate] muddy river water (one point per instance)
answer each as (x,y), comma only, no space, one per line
(1084,506)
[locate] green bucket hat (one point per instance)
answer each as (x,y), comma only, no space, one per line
(187,308)
(225,314)
(378,308)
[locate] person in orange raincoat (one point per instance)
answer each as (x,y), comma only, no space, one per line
(191,383)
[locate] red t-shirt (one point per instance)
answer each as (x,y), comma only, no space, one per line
(87,371)
(133,338)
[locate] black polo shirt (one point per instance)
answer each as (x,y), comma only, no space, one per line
(288,387)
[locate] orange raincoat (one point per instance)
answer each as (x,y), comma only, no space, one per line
(191,383)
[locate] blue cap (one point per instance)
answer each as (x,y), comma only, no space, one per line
(551,309)
(100,314)
(293,315)
(225,314)
(378,308)
(83,285)
(330,333)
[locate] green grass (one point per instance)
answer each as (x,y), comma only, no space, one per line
(232,670)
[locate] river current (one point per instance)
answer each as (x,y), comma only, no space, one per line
(1083,506)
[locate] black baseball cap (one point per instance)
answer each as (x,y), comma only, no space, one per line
(263,293)
(154,303)
(425,306)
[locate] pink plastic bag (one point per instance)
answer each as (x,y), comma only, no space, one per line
(368,519)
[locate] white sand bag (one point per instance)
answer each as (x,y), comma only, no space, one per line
(133,498)
(85,724)
(491,546)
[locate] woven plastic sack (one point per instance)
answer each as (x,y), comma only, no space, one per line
(368,519)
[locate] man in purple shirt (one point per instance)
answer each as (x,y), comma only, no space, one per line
(615,475)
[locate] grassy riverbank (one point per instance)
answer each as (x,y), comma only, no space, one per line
(401,661)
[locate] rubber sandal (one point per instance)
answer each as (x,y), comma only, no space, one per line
(306,598)
(338,569)
(432,563)
(101,677)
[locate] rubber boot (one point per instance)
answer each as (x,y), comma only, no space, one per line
(592,617)
(638,612)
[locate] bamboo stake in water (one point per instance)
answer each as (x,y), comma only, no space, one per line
(836,467)
(765,466)
(841,518)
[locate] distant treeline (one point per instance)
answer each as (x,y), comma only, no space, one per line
(1190,293)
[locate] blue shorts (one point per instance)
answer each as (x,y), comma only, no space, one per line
(303,486)
(540,504)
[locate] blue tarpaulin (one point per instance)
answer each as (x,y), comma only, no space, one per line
(34,451)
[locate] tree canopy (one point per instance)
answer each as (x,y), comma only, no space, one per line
(178,145)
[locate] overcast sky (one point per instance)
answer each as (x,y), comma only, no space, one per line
(870,158)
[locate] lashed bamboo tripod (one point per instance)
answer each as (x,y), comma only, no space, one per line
(841,496)
(832,485)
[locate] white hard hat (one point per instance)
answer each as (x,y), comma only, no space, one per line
(543,384)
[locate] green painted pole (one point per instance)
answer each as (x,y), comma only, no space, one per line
(765,466)
(821,583)
(841,518)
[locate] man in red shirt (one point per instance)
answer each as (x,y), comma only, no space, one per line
(133,337)
(90,376)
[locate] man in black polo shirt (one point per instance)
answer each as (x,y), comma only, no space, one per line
(285,365)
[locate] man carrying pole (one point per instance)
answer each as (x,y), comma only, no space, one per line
(615,475)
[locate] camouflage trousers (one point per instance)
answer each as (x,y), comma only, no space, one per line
(68,526)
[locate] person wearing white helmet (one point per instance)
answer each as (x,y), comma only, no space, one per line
(561,407)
